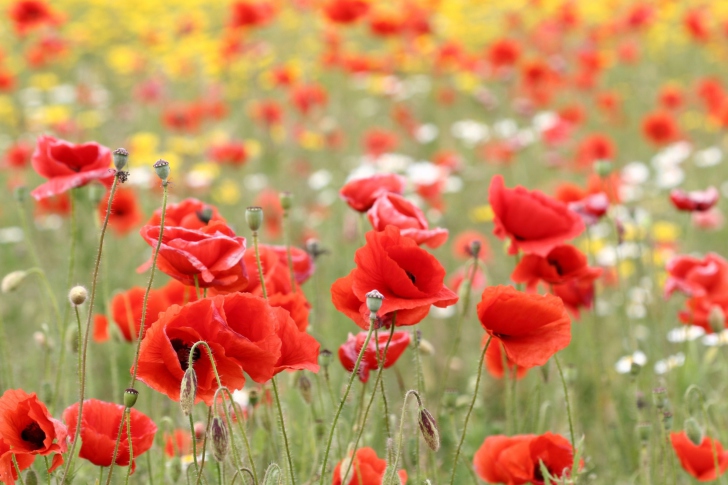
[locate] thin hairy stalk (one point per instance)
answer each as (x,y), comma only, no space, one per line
(124,415)
(260,266)
(566,397)
(470,411)
(149,288)
(283,430)
(380,363)
(204,446)
(371,399)
(420,391)
(400,435)
(17,470)
(354,373)
(92,299)
(239,473)
(131,452)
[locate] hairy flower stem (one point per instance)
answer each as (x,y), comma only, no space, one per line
(400,435)
(354,374)
(200,476)
(371,398)
(131,452)
(470,410)
(92,299)
(380,362)
(17,470)
(124,416)
(194,444)
(260,266)
(566,397)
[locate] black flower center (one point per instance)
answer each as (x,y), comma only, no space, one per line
(34,435)
(411,277)
(182,350)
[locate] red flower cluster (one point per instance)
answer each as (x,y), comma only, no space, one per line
(516,460)
(367,469)
(361,193)
(245,334)
(349,352)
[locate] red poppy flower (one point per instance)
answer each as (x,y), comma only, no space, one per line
(267,112)
(270,201)
(395,210)
(8,474)
(232,153)
(460,275)
(495,358)
(125,211)
(29,14)
(189,213)
(696,24)
(101,328)
(56,204)
(695,201)
(177,293)
(99,427)
(660,128)
(367,469)
(349,352)
(699,460)
(706,277)
(68,166)
(178,443)
(306,97)
(531,327)
(18,155)
(211,255)
(503,53)
(27,427)
(595,148)
(361,193)
(245,334)
(126,310)
(303,266)
(561,264)
(515,460)
(386,22)
(591,208)
(533,221)
(345,11)
(576,294)
(671,97)
(182,117)
(249,14)
(698,311)
(276,274)
(410,278)
(377,142)
(462,244)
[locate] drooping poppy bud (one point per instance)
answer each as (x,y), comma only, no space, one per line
(220,439)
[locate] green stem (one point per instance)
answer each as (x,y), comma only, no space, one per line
(400,435)
(371,398)
(568,405)
(260,266)
(17,470)
(380,363)
(204,445)
(354,374)
(470,410)
(126,413)
(92,299)
(131,452)
(283,430)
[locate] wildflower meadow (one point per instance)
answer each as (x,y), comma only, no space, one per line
(363,242)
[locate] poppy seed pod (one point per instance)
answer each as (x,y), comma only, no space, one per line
(12,281)
(374,301)
(325,357)
(120,157)
(475,248)
(130,397)
(162,169)
(220,439)
(659,397)
(188,391)
(667,420)
(286,200)
(254,217)
(77,295)
(428,427)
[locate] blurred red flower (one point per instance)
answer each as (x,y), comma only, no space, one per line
(27,427)
(699,460)
(250,14)
(671,97)
(27,15)
(695,201)
(68,166)
(377,142)
(349,352)
(515,460)
(395,210)
(461,246)
(594,148)
(503,53)
(531,327)
(125,212)
(56,204)
(189,213)
(231,153)
(367,469)
(211,256)
(410,278)
(698,277)
(660,128)
(361,193)
(561,264)
(534,222)
(99,425)
(345,11)
(18,155)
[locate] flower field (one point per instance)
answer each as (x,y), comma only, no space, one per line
(363,242)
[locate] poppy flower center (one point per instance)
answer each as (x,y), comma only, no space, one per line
(182,349)
(557,266)
(34,435)
(411,277)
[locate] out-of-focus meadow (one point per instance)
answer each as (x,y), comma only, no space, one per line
(623,100)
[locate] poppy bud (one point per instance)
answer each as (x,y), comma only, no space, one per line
(694,431)
(188,391)
(474,248)
(659,397)
(716,319)
(254,217)
(72,340)
(77,295)
(162,169)
(643,431)
(204,215)
(253,397)
(634,369)
(325,358)
(667,420)
(273,475)
(31,478)
(120,158)
(12,281)
(130,397)
(603,168)
(220,439)
(304,385)
(286,200)
(374,301)
(428,427)
(20,194)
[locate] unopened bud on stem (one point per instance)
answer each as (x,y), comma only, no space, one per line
(716,319)
(12,281)
(188,391)
(286,200)
(220,439)
(130,397)
(428,427)
(694,431)
(77,295)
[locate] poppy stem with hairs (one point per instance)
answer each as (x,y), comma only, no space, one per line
(566,397)
(375,295)
(400,435)
(200,476)
(238,462)
(82,370)
(380,362)
(126,414)
(131,452)
(17,470)
(470,410)
(371,398)
(194,444)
